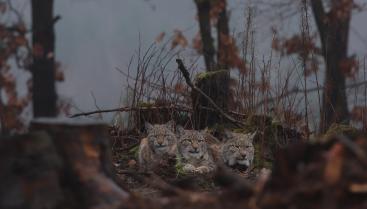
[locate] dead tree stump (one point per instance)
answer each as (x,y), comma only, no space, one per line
(215,85)
(61,164)
(30,173)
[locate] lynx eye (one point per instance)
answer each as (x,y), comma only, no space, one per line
(232,149)
(185,141)
(247,146)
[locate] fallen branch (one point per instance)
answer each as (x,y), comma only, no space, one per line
(186,75)
(128,109)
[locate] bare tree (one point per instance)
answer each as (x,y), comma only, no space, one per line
(43,66)
(333,27)
(332,20)
(203,9)
(217,61)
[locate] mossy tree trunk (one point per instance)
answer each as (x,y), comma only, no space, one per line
(216,85)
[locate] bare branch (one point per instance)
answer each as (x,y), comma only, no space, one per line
(297,90)
(128,109)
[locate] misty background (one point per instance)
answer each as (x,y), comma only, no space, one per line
(94,37)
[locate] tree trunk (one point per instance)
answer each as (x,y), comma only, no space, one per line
(335,107)
(223,56)
(43,67)
(334,32)
(216,81)
(203,8)
(59,165)
(223,36)
(212,84)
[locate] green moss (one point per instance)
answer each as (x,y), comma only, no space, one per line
(240,130)
(179,167)
(338,129)
(134,151)
(206,75)
(146,104)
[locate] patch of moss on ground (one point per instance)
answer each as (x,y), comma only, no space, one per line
(179,167)
(338,129)
(134,151)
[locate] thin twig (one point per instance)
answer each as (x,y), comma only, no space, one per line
(297,90)
(128,109)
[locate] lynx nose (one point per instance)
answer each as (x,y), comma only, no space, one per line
(160,142)
(243,156)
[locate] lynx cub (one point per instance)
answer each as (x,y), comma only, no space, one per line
(193,152)
(238,149)
(160,143)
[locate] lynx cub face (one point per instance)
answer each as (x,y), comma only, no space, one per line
(160,143)
(238,149)
(161,138)
(193,151)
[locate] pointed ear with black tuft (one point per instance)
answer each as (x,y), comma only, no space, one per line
(251,136)
(205,133)
(208,136)
(171,125)
(228,134)
(180,130)
(148,126)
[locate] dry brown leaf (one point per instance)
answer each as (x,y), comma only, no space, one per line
(179,39)
(160,37)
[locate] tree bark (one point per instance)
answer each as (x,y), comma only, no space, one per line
(216,84)
(203,8)
(223,37)
(334,32)
(223,56)
(43,67)
(212,85)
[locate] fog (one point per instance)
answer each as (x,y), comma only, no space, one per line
(94,37)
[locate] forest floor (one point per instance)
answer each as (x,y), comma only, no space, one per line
(329,173)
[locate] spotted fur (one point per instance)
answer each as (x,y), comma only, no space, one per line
(238,149)
(193,152)
(160,143)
